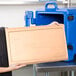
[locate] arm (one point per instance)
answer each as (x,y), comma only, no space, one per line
(11,68)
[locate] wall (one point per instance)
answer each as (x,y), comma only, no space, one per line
(73,1)
(13,16)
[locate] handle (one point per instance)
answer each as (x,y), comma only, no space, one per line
(51,3)
(28,18)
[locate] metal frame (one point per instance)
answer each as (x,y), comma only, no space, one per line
(69,3)
(65,68)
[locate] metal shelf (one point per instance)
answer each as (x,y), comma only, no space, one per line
(28,2)
(56,66)
(64,68)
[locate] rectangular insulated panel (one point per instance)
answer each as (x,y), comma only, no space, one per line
(36,44)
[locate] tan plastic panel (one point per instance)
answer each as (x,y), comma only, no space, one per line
(36,44)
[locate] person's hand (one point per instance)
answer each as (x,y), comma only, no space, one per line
(54,23)
(11,68)
(16,66)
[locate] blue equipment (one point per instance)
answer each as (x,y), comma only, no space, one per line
(66,16)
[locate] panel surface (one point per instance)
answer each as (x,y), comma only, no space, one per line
(36,44)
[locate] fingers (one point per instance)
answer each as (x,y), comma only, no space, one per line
(16,66)
(56,23)
(20,66)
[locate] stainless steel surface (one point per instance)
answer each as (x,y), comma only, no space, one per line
(57,66)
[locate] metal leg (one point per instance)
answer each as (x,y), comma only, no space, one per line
(46,73)
(68,73)
(34,70)
(72,73)
(65,73)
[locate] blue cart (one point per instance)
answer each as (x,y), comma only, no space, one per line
(66,16)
